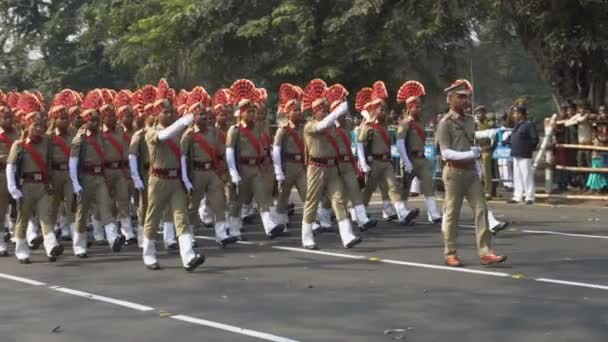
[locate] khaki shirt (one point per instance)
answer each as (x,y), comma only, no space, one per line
(241,143)
(13,136)
(192,148)
(413,141)
(83,150)
(456,132)
(58,156)
(17,154)
(284,139)
(316,143)
(161,155)
(374,141)
(138,146)
(112,154)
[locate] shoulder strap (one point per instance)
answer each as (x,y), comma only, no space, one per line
(57,140)
(383,133)
(296,138)
(255,142)
(116,144)
(37,158)
(93,141)
(346,141)
(418,129)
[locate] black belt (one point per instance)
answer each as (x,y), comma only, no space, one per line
(202,166)
(60,166)
(346,159)
(93,169)
(381,157)
(165,173)
(294,157)
(32,177)
(415,154)
(323,162)
(116,165)
(251,161)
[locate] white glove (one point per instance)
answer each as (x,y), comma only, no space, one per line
(236,179)
(365,168)
(139,185)
(16,194)
(77,188)
(408,167)
(188,185)
(280,176)
(187,119)
(476,151)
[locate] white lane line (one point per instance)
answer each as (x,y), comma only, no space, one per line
(232,328)
(572,283)
(339,255)
(109,300)
(445,268)
(21,280)
(213,239)
(549,232)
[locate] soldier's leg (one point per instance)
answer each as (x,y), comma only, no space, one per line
(142,207)
(324,212)
(157,204)
(264,198)
(123,202)
(68,205)
(83,209)
(335,190)
(24,214)
(178,204)
(405,214)
(352,191)
(315,186)
(454,193)
(217,203)
(373,178)
(241,194)
(44,211)
(168,226)
(104,206)
(284,192)
(196,198)
(486,162)
(422,169)
(4,203)
(475,196)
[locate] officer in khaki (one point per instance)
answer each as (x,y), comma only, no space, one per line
(139,165)
(31,156)
(8,135)
(410,144)
(203,171)
(249,170)
(115,149)
(61,135)
(288,154)
(165,189)
(455,134)
(323,176)
(373,152)
(484,123)
(89,183)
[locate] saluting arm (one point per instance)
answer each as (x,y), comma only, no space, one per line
(473,153)
(329,120)
(177,127)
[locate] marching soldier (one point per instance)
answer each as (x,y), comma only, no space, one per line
(456,134)
(247,162)
(8,134)
(62,134)
(322,174)
(86,166)
(165,188)
(288,151)
(27,166)
(202,153)
(410,144)
(126,117)
(373,147)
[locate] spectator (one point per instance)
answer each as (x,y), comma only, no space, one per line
(524,140)
(505,165)
(562,155)
(598,182)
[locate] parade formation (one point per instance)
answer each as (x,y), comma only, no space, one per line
(115,167)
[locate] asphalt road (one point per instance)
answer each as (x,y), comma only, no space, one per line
(554,287)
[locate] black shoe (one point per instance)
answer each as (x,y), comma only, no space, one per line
(414,194)
(438,220)
(512,201)
(410,217)
(499,227)
(25,261)
(198,260)
(318,231)
(89,244)
(311,247)
(101,243)
(131,242)
(241,238)
(173,247)
(291,206)
(227,241)
(35,244)
(66,238)
(56,251)
(58,234)
(248,219)
(392,218)
(117,245)
(368,225)
(194,244)
(82,256)
(291,212)
(154,267)
(208,225)
(7,237)
(3,254)
(276,231)
(529,202)
(355,242)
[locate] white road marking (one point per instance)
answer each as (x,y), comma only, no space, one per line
(549,232)
(303,250)
(119,302)
(232,328)
(21,280)
(445,268)
(572,283)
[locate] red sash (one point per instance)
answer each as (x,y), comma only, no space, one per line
(383,133)
(212,152)
(296,139)
(7,141)
(419,130)
(176,151)
(117,146)
(91,140)
(333,143)
(127,138)
(346,140)
(62,145)
(253,140)
(222,137)
(37,158)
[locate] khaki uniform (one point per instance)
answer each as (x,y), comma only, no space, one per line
(139,148)
(456,132)
(421,167)
(6,141)
(165,189)
(37,195)
(348,169)
(116,169)
(63,191)
(204,171)
(294,167)
(92,179)
(486,160)
(378,157)
(254,169)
